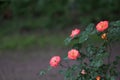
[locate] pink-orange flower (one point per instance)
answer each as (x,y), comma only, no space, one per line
(73,54)
(54,61)
(101,26)
(98,78)
(75,32)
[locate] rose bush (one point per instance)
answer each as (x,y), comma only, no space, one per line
(91,49)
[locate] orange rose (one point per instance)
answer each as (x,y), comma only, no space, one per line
(104,36)
(98,78)
(75,32)
(73,54)
(54,61)
(101,26)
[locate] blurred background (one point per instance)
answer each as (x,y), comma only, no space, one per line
(27,17)
(32,31)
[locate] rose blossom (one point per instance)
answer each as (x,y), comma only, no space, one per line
(75,32)
(98,78)
(54,61)
(83,72)
(101,26)
(104,36)
(73,54)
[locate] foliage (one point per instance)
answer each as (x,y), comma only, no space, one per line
(61,13)
(91,65)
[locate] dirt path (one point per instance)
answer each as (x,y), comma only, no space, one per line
(26,64)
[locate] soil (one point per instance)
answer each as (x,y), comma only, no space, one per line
(26,64)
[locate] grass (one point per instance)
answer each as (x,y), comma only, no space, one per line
(14,40)
(11,37)
(44,40)
(20,41)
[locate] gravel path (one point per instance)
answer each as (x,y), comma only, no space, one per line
(26,64)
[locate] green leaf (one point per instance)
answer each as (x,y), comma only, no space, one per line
(66,58)
(67,40)
(116,23)
(117,57)
(102,55)
(49,68)
(43,72)
(96,63)
(114,32)
(74,67)
(77,45)
(115,62)
(90,28)
(91,50)
(83,37)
